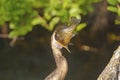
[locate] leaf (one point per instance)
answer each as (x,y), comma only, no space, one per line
(117,22)
(39,20)
(12,26)
(112,2)
(74,11)
(118,1)
(112,8)
(81,26)
(13,34)
(53,22)
(118,11)
(47,16)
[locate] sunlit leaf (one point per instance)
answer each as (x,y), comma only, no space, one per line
(53,22)
(81,26)
(47,16)
(112,8)
(13,34)
(39,20)
(112,2)
(118,11)
(118,1)
(12,26)
(74,12)
(117,22)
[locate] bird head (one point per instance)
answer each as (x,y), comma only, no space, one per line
(65,32)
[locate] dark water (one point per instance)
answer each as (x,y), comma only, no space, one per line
(32,59)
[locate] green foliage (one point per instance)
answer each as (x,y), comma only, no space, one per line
(22,15)
(115,7)
(19,14)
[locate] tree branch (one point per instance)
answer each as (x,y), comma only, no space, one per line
(112,70)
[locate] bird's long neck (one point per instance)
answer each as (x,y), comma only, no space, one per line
(61,63)
(59,58)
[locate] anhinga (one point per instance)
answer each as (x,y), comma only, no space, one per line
(60,39)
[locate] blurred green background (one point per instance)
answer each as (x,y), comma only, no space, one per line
(26,27)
